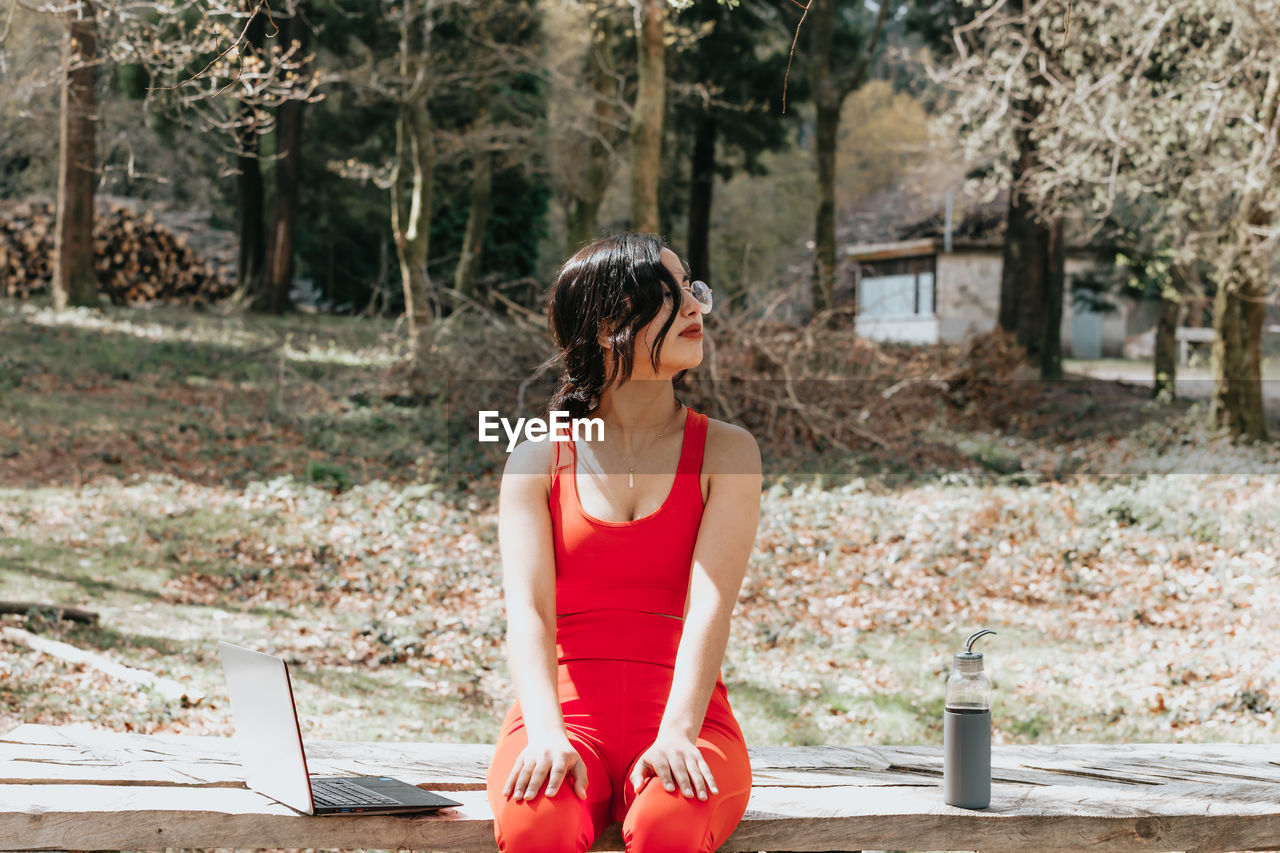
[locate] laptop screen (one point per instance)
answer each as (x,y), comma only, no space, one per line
(266,722)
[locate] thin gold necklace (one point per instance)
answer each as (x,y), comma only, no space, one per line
(631,473)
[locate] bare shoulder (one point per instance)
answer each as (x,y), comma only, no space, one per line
(730,449)
(530,464)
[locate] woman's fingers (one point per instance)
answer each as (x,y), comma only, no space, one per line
(662,769)
(556,776)
(699,775)
(637,777)
(706,773)
(579,772)
(536,778)
(680,775)
(521,771)
(685,770)
(536,765)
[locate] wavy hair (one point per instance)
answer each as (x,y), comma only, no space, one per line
(616,285)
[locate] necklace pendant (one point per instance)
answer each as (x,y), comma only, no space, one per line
(631,479)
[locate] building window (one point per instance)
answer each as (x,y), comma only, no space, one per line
(897,287)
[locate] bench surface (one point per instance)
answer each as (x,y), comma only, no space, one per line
(73,788)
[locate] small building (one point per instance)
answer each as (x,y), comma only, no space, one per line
(928,286)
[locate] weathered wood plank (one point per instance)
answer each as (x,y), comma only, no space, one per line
(778,819)
(149,792)
(66,754)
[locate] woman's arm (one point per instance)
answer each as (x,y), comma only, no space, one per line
(528,570)
(720,555)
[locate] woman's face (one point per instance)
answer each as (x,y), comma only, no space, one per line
(682,348)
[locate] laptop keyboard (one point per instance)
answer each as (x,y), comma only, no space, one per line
(341,792)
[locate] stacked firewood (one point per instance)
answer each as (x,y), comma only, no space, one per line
(138,259)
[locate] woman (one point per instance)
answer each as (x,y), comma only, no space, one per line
(622,559)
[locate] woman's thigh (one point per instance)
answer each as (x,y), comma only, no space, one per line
(661,821)
(562,823)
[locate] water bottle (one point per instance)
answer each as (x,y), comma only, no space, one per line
(966,731)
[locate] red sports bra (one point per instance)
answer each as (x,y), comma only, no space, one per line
(618,582)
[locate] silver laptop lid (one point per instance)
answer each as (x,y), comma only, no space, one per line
(266,722)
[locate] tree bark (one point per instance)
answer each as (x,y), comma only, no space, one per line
(1238,312)
(411,216)
(832,83)
(464,279)
(74,279)
(1239,306)
(1165,384)
(1026,246)
(414,163)
(250,223)
(647,117)
(826,101)
(1012,266)
(1055,258)
(1025,257)
(701,185)
(584,207)
(1228,405)
(288,173)
(824,228)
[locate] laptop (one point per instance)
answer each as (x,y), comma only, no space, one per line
(275,763)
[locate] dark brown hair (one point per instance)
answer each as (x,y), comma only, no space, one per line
(616,283)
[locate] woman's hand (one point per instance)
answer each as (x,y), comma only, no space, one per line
(677,762)
(551,760)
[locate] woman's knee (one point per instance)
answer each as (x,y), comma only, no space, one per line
(660,821)
(559,824)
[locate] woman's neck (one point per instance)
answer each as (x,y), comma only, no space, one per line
(637,410)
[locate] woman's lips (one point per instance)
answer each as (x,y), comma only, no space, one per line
(692,333)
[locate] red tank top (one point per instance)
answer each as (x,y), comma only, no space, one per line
(618,582)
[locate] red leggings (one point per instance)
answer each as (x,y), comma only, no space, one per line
(611,712)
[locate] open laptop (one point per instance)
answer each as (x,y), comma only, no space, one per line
(275,764)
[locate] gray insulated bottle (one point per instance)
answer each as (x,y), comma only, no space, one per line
(966,731)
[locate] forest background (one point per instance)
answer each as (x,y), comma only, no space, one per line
(275,448)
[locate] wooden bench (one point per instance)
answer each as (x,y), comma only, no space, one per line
(72,788)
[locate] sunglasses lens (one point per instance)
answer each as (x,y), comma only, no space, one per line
(702,293)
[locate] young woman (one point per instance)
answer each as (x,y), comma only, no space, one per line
(622,560)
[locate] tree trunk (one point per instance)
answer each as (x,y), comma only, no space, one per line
(1238,311)
(1054,289)
(1012,266)
(411,217)
(1165,384)
(701,184)
(415,163)
(74,280)
(1227,407)
(824,230)
(826,99)
(288,170)
(584,207)
(464,279)
(646,119)
(1026,246)
(1239,307)
(250,224)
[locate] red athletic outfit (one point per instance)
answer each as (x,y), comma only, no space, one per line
(617,585)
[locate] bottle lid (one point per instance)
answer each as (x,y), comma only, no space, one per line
(968,661)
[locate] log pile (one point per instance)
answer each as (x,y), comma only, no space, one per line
(139,257)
